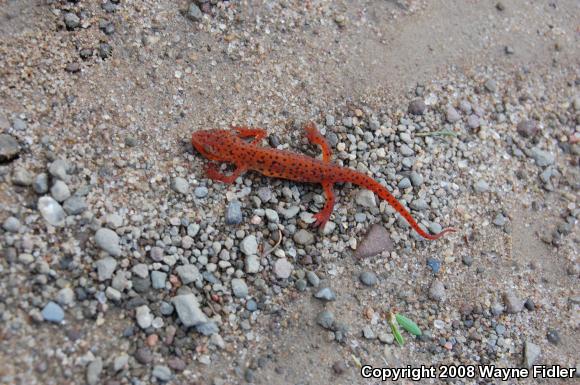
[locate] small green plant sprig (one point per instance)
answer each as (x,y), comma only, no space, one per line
(395,320)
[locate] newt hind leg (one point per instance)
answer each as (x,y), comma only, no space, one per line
(324,215)
(314,136)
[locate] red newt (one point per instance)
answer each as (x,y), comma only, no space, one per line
(231,146)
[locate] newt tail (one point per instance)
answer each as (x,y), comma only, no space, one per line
(230,146)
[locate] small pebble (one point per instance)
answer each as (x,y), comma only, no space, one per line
(368,278)
(52,312)
(326,294)
(325,319)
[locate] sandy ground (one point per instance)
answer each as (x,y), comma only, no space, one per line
(277,65)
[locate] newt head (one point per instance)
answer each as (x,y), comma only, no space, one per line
(213,144)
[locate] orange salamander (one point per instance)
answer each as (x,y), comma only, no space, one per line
(231,146)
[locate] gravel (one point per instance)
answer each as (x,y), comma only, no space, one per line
(368,278)
(9,148)
(180,185)
(60,191)
(437,291)
(188,310)
(11,224)
(52,312)
(239,288)
(326,294)
(51,211)
(108,241)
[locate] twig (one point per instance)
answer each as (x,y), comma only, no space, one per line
(438,133)
(276,245)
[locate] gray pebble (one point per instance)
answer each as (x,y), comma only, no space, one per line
(416,178)
(465,106)
(94,370)
(419,204)
(51,211)
(156,254)
(531,353)
(71,20)
(65,296)
(542,158)
(481,186)
(326,294)
(194,13)
(166,308)
(144,355)
(290,212)
(188,274)
(301,285)
(467,260)
(75,205)
(303,237)
(490,85)
(58,169)
(386,338)
(108,240)
(406,151)
(249,245)
(500,220)
(417,107)
(52,312)
(162,373)
(527,128)
(404,183)
(180,185)
(265,194)
(437,291)
(473,121)
(40,184)
(312,278)
(144,316)
(329,120)
(512,302)
(452,115)
(239,288)
(366,198)
(113,221)
(158,279)
(113,294)
(105,268)
(141,270)
(252,264)
(207,328)
(251,305)
(188,310)
(368,333)
(368,278)
(325,319)
(105,50)
(21,177)
(200,192)
(19,124)
(9,148)
(272,216)
(60,191)
(234,213)
(11,224)
(120,362)
(282,268)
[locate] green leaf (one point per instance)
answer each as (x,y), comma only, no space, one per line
(408,325)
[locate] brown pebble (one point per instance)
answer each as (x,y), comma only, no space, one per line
(152,340)
(339,367)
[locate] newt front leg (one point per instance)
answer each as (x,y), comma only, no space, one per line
(213,173)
